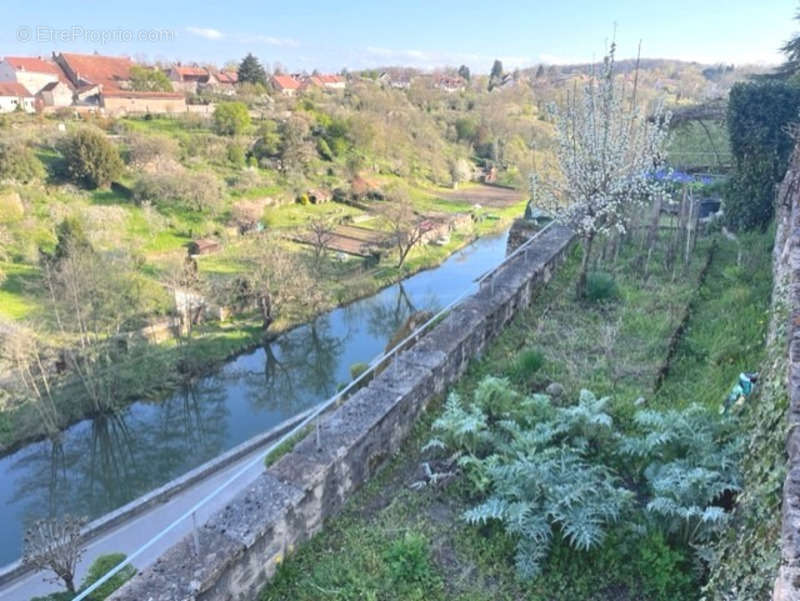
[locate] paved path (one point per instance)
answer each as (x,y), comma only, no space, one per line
(133,533)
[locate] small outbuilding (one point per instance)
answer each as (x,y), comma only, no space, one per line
(204,246)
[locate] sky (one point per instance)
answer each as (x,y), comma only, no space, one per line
(329,36)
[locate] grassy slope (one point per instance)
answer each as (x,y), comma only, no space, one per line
(355,557)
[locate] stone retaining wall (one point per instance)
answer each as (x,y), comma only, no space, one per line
(241,545)
(786,259)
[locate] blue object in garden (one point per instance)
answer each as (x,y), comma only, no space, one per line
(740,392)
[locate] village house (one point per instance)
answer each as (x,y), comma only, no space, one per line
(187,79)
(223,82)
(55,94)
(125,102)
(397,80)
(329,82)
(286,84)
(448,83)
(33,73)
(15,97)
(110,72)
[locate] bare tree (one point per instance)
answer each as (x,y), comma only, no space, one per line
(405,226)
(92,299)
(320,233)
(22,352)
(280,284)
(55,544)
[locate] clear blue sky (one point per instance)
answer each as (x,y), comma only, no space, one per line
(331,35)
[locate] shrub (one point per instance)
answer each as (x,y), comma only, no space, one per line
(235,154)
(601,286)
(19,163)
(190,190)
(145,149)
(231,118)
(102,565)
(267,142)
(528,363)
(324,150)
(356,369)
(758,116)
(90,159)
(11,207)
(408,561)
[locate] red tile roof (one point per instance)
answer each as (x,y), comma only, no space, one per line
(191,71)
(36,64)
(107,70)
(33,64)
(286,82)
(12,88)
(227,76)
(323,80)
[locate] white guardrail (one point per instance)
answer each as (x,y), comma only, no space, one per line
(313,414)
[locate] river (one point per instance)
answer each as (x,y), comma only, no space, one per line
(100,464)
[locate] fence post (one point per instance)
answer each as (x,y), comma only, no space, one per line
(195,535)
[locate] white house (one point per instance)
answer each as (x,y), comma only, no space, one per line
(14,96)
(29,71)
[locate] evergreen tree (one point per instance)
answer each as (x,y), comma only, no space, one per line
(463,71)
(251,71)
(496,76)
(790,69)
(497,69)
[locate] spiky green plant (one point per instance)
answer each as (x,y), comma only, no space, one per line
(536,461)
(690,461)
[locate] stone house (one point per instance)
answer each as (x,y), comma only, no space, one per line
(223,82)
(187,79)
(55,94)
(14,97)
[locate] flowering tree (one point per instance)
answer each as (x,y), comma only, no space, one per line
(607,151)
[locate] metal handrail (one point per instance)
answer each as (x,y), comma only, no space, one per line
(314,414)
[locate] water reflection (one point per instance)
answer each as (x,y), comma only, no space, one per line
(99,465)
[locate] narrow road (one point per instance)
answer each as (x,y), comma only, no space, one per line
(135,532)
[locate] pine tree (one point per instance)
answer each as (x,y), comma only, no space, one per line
(463,71)
(251,71)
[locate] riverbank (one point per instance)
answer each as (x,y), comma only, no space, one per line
(162,367)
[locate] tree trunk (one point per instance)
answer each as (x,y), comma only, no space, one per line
(587,249)
(69,582)
(265,308)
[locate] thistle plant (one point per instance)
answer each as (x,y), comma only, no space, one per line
(537,462)
(690,462)
(545,471)
(607,151)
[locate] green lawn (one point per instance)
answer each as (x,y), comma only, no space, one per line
(16,301)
